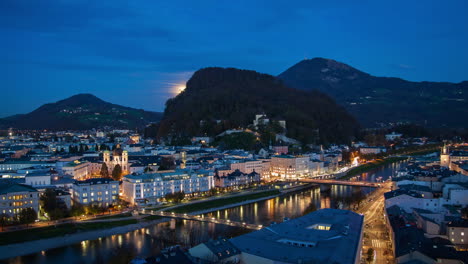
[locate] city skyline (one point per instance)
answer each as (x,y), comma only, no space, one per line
(141,55)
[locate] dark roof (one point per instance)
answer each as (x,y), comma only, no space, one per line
(399,192)
(222,248)
(95,181)
(9,187)
(415,187)
(459,223)
(172,255)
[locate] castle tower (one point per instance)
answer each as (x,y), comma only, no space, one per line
(445,157)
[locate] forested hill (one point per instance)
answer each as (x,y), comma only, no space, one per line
(80,112)
(217,99)
(374,100)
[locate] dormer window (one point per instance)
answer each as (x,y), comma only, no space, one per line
(325,227)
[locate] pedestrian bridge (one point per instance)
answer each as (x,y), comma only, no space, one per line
(202,218)
(341,182)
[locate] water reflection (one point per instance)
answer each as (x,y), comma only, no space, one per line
(149,241)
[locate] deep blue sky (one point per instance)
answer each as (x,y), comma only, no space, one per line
(135,52)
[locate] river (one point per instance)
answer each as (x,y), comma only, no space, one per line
(120,249)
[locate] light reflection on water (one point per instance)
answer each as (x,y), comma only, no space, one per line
(120,249)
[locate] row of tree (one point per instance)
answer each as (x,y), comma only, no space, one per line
(26,216)
(175,197)
(116,174)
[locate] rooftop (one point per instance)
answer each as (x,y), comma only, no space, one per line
(95,181)
(8,187)
(313,237)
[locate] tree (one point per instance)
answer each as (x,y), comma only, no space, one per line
(212,191)
(167,163)
(3,220)
(464,212)
(370,254)
(104,170)
(27,216)
(95,208)
(77,209)
(175,197)
(54,208)
(117,173)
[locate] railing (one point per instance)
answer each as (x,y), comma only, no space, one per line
(338,182)
(202,218)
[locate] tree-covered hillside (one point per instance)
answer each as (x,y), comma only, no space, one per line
(217,99)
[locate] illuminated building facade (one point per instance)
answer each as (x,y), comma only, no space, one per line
(16,197)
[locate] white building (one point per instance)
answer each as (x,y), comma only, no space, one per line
(372,150)
(140,188)
(247,166)
(16,197)
(101,190)
(79,170)
(38,179)
(289,167)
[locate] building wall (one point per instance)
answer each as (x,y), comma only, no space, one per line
(78,171)
(157,188)
(458,235)
(248,166)
(105,194)
(12,203)
(37,180)
(289,167)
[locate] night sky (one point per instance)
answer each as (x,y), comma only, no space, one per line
(136,53)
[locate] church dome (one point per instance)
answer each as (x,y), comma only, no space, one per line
(117,151)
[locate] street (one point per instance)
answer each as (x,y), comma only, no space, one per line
(376,235)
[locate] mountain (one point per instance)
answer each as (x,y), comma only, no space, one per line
(374,100)
(81,111)
(217,99)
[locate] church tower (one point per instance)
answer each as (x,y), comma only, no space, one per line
(445,157)
(106,157)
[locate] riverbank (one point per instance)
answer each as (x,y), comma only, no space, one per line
(56,240)
(26,242)
(370,166)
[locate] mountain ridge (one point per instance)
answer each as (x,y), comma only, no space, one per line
(373,100)
(80,111)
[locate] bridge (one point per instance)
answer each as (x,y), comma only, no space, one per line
(341,182)
(202,218)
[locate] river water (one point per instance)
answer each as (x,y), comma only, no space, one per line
(120,249)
